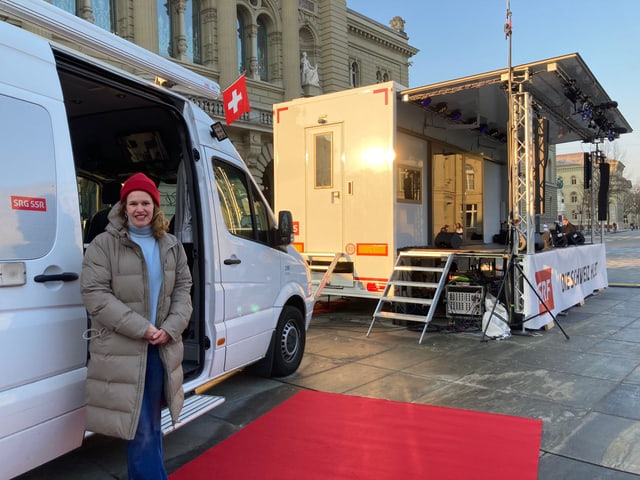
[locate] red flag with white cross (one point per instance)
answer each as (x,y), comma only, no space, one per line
(236,100)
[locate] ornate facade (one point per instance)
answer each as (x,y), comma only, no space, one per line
(266,40)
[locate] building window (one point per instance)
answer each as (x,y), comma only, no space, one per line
(574,197)
(382,76)
(104,14)
(354,74)
(66,5)
(164,28)
(242,45)
(470,176)
(574,180)
(192,30)
(263,51)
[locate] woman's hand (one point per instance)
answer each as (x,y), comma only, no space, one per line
(156,336)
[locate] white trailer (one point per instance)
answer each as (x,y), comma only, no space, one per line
(366,174)
(378,173)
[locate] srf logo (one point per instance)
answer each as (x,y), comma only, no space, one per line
(545,289)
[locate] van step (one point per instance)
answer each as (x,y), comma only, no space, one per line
(194,406)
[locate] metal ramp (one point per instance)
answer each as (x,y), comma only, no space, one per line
(194,406)
(408,285)
(322,262)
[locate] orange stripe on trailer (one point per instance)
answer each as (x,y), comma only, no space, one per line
(372,249)
(370,279)
(299,246)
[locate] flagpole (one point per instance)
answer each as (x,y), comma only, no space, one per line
(513,235)
(510,128)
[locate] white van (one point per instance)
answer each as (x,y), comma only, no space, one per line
(72,129)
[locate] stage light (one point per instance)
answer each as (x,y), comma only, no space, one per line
(426,102)
(484,128)
(455,115)
(441,107)
(607,105)
(572,92)
(586,110)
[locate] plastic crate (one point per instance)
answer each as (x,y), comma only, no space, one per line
(465,301)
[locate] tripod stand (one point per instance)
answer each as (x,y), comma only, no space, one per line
(511,266)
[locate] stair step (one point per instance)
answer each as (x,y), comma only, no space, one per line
(402,316)
(194,407)
(406,283)
(416,268)
(416,300)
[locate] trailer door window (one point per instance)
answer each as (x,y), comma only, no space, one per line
(323,148)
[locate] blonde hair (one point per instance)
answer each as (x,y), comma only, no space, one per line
(159,224)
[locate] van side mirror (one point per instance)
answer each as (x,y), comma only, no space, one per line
(285,228)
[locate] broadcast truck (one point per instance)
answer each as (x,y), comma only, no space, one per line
(72,129)
(353,168)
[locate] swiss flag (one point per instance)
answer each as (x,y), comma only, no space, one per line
(236,100)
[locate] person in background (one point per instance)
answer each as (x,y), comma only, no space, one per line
(567,227)
(136,288)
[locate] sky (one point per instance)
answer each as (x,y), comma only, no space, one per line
(458,38)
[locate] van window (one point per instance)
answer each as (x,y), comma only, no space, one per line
(244,211)
(28,182)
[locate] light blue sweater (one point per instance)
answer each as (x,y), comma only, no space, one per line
(149,245)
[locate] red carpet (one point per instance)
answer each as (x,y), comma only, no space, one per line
(325,436)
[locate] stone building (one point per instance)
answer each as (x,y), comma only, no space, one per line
(267,40)
(577,205)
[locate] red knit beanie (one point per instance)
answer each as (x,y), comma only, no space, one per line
(140,181)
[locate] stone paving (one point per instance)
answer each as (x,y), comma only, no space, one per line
(585,389)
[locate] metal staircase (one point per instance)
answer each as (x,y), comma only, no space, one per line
(410,286)
(324,263)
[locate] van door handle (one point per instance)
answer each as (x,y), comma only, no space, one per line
(56,277)
(232,261)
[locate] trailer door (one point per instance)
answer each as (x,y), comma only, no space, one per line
(323,152)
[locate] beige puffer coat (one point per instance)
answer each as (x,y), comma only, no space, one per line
(115,291)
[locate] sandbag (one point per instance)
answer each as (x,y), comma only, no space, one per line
(497,319)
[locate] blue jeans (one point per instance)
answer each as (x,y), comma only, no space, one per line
(144,452)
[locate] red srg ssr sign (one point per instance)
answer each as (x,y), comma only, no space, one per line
(28,203)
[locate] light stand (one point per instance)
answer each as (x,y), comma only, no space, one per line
(511,266)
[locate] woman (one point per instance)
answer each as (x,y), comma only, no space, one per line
(136,287)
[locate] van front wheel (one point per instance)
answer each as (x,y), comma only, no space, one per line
(289,342)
